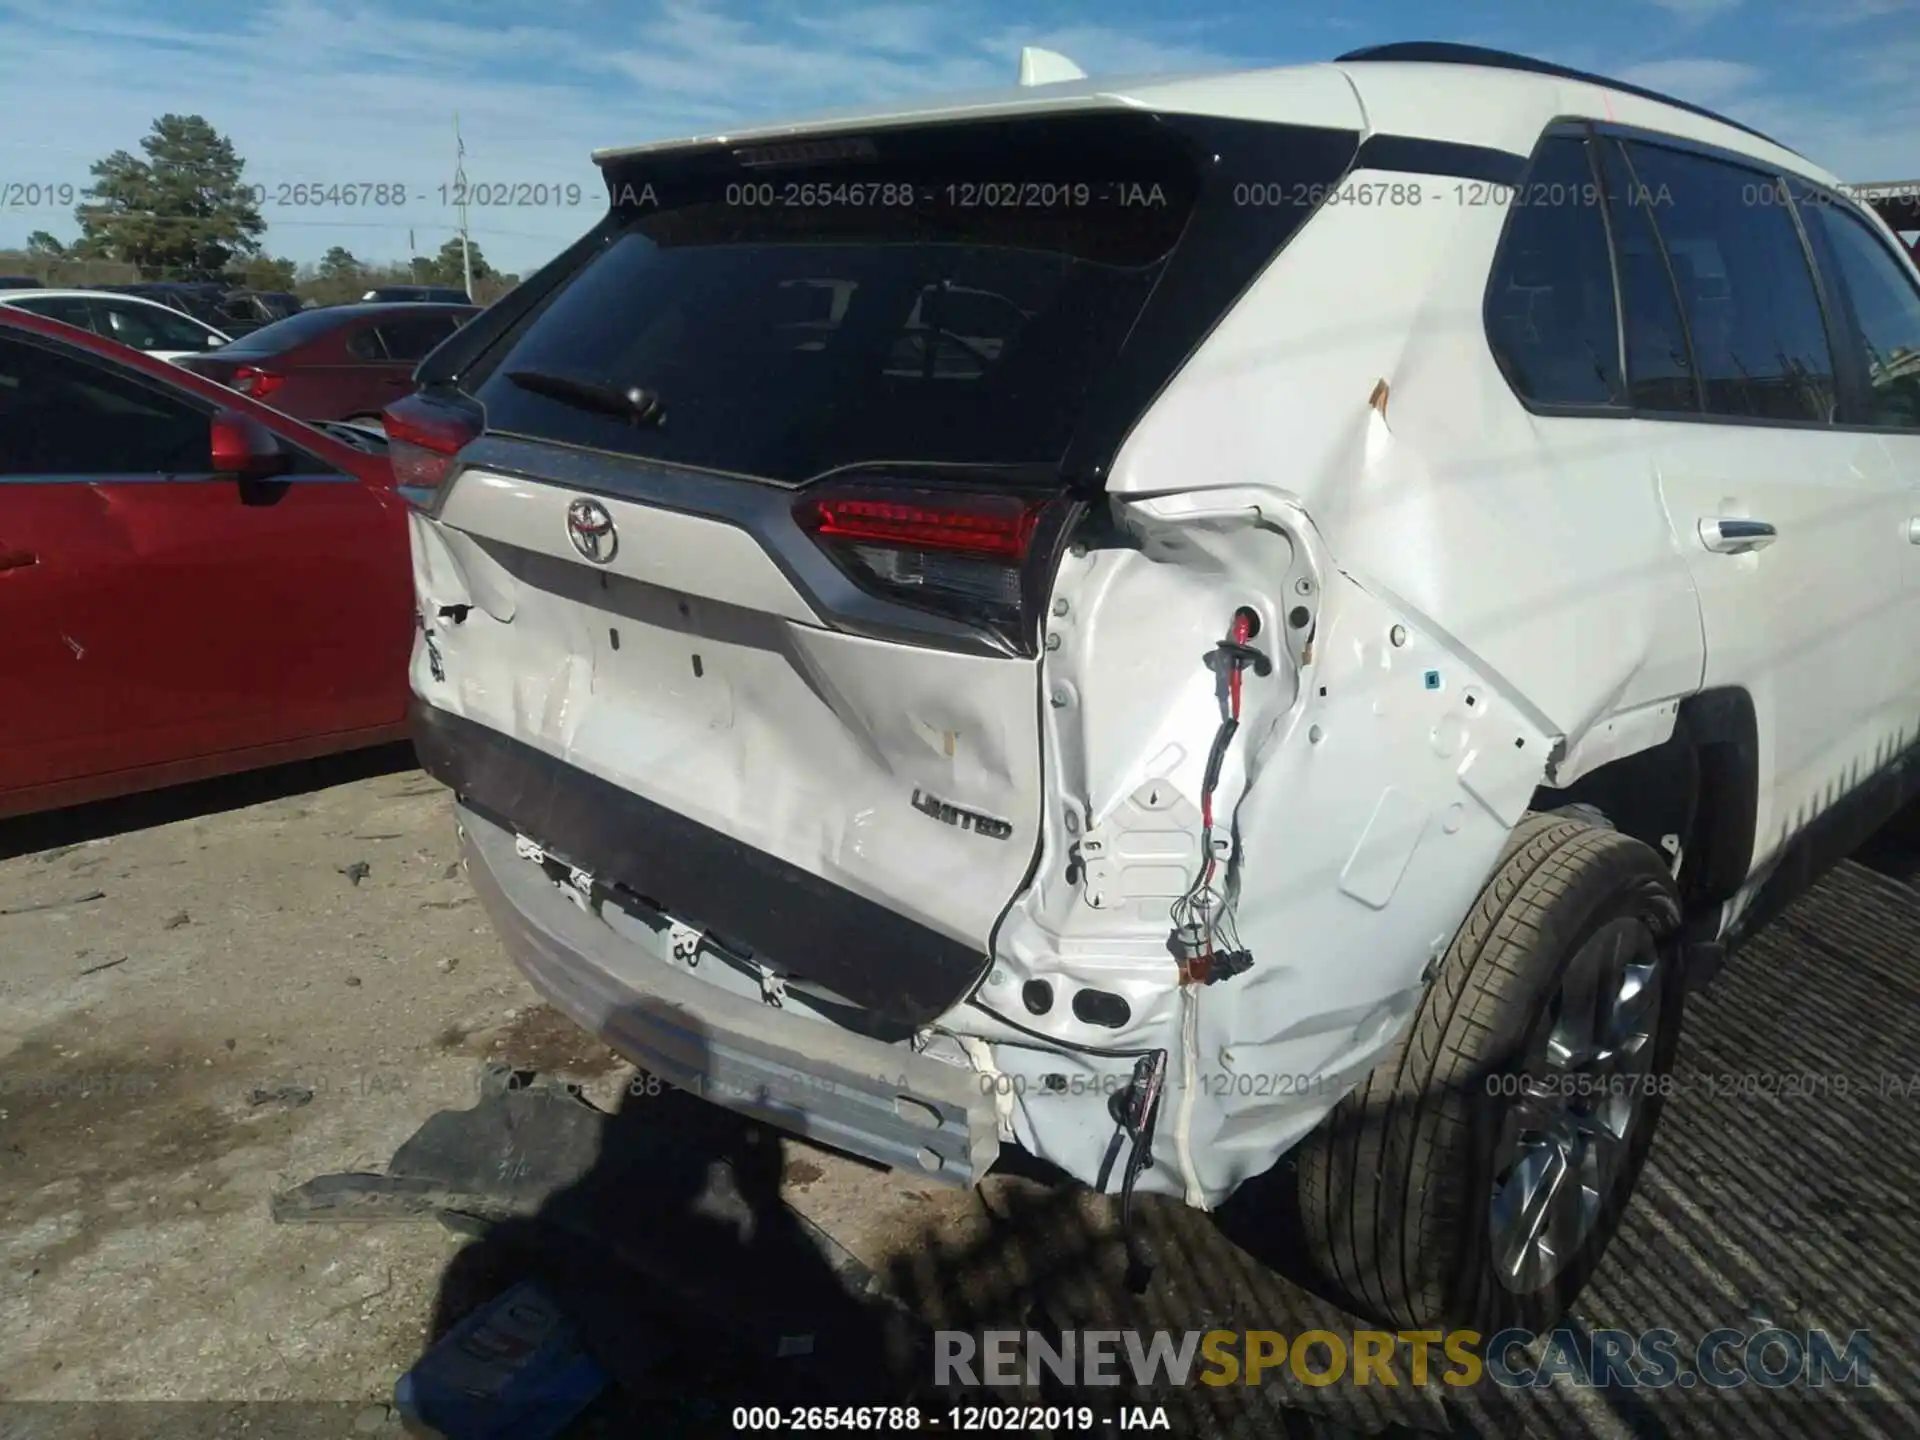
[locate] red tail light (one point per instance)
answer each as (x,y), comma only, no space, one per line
(973,557)
(423,438)
(258,383)
(995,526)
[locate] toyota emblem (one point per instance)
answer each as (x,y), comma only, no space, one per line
(590,528)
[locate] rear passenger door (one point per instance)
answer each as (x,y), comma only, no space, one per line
(1792,525)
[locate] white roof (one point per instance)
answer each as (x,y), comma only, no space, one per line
(1464,103)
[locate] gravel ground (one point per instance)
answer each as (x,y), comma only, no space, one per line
(210,996)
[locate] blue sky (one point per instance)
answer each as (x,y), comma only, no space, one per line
(364,91)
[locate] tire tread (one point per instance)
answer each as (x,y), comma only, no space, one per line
(1372,1197)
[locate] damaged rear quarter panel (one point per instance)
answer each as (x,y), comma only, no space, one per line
(1537,547)
(1486,585)
(1366,796)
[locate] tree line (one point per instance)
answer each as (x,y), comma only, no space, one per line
(181,211)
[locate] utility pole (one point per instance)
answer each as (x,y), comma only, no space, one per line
(460,195)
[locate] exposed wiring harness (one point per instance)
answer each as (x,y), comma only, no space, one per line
(1134,1111)
(1204,937)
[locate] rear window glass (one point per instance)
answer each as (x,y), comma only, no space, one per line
(284,334)
(1550,307)
(941,297)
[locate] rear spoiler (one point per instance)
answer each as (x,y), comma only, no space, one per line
(1047,67)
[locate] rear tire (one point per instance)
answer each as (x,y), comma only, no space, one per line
(1419,1193)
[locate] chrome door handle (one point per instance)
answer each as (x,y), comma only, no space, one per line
(1728,536)
(1913,531)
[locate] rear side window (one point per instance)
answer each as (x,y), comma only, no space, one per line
(1550,304)
(149,327)
(1758,334)
(1886,309)
(946,297)
(364,343)
(411,337)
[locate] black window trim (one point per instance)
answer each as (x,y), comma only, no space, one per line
(1577,125)
(1616,148)
(1853,388)
(327,473)
(1590,144)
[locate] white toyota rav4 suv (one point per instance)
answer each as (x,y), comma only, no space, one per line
(1162,622)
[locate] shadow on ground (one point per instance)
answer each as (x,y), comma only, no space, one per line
(49,830)
(1779,1194)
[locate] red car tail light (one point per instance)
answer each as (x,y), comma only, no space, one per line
(424,436)
(974,557)
(252,381)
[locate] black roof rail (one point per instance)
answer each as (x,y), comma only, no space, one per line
(1441,52)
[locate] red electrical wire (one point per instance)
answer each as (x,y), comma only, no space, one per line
(1242,632)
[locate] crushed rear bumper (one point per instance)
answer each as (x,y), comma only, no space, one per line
(876,1100)
(755,903)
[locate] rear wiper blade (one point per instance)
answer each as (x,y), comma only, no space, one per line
(642,407)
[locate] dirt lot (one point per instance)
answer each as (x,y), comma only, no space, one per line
(212,996)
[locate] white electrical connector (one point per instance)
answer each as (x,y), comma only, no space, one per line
(578,887)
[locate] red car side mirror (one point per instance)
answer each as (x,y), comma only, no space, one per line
(246,449)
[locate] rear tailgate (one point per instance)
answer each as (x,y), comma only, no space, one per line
(768,753)
(763,527)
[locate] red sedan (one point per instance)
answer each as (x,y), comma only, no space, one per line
(190,583)
(343,362)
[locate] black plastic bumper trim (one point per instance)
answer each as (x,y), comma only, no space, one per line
(791,919)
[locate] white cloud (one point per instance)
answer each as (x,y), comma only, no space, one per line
(1701,82)
(1835,14)
(342,91)
(1697,11)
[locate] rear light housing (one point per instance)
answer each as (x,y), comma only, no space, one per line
(983,558)
(251,380)
(425,436)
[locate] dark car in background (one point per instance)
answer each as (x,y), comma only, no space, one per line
(417,294)
(246,310)
(235,310)
(18,282)
(1898,202)
(342,362)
